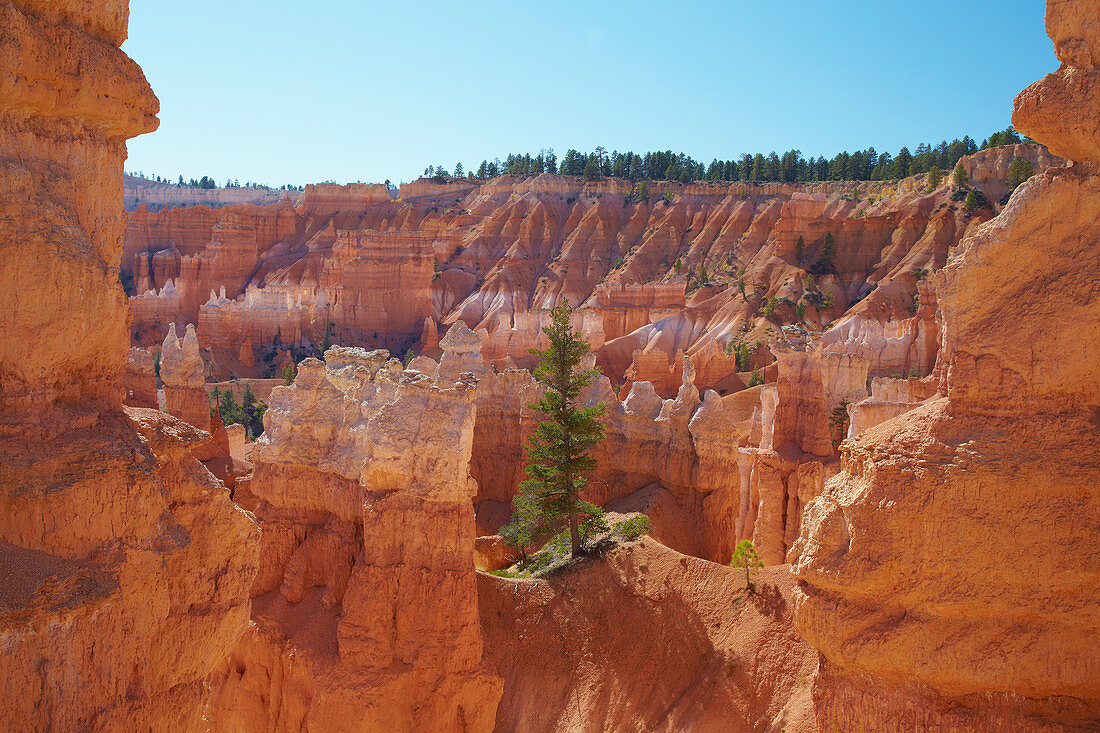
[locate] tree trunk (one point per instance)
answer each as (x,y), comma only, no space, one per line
(575,535)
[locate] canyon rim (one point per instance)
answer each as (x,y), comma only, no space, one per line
(260,448)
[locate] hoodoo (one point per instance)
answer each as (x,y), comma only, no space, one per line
(840,437)
(949,574)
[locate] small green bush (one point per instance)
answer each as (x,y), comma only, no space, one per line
(633,528)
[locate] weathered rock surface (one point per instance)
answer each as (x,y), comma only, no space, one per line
(498,254)
(183,373)
(948,575)
(125,565)
(366,609)
(140,380)
(644,638)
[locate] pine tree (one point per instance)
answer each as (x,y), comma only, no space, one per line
(592,169)
(935,177)
(459,170)
(744,556)
(558,459)
(1019,171)
(799,248)
(971,202)
(827,260)
(961,179)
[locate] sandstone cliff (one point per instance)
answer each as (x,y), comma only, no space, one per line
(498,254)
(948,575)
(125,565)
(646,639)
(365,608)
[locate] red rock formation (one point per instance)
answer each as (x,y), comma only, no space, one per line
(948,575)
(140,380)
(125,565)
(674,460)
(507,250)
(183,373)
(365,612)
(644,638)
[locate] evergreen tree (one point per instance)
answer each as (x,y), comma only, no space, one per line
(971,202)
(961,179)
(935,177)
(744,556)
(459,171)
(799,248)
(558,459)
(901,163)
(1019,171)
(827,260)
(592,169)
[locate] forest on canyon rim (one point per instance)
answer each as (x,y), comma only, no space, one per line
(260,448)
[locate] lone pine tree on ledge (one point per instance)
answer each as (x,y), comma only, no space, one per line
(558,459)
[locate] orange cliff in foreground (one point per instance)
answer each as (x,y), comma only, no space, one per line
(949,574)
(125,565)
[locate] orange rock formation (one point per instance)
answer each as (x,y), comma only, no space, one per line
(948,575)
(365,607)
(504,251)
(125,565)
(647,639)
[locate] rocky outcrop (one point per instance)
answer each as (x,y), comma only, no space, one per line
(644,638)
(497,255)
(183,373)
(366,611)
(125,564)
(139,381)
(889,399)
(789,452)
(948,574)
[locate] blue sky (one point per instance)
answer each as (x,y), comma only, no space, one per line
(297,92)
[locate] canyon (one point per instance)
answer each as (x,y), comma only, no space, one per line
(893,395)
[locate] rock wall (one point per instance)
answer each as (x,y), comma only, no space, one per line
(125,565)
(498,254)
(140,380)
(948,575)
(642,638)
(366,611)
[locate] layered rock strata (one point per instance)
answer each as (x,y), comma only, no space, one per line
(948,575)
(125,565)
(498,254)
(365,608)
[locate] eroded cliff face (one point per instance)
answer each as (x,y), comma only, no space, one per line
(708,470)
(643,638)
(125,564)
(948,575)
(365,612)
(498,254)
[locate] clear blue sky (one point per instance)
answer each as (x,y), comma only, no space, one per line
(346,90)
